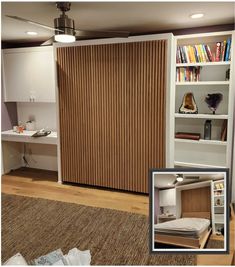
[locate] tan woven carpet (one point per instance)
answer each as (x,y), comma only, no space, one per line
(35,227)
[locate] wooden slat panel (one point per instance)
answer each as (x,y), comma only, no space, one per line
(112,113)
(196,200)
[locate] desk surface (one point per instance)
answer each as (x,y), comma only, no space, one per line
(26,137)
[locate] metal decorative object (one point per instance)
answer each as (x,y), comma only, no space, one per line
(188,105)
(213,101)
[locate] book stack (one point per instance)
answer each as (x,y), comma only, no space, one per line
(191,136)
(220,51)
(188,74)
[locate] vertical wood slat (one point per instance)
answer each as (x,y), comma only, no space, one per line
(112,113)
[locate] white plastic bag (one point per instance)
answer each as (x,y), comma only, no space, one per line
(17,259)
(78,257)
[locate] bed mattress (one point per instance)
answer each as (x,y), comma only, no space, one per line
(190,227)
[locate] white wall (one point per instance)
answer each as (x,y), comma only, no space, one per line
(44,114)
(39,156)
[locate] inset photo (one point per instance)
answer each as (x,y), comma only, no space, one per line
(189,210)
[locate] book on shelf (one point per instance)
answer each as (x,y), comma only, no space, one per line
(188,74)
(219,51)
(185,135)
(224,131)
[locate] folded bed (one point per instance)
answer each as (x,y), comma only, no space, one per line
(191,231)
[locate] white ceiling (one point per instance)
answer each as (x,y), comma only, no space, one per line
(137,17)
(162,180)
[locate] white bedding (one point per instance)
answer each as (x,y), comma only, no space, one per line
(184,226)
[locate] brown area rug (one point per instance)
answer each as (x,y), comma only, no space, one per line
(35,227)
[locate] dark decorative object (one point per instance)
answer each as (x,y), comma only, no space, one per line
(213,101)
(188,105)
(207,130)
(227,76)
(222,231)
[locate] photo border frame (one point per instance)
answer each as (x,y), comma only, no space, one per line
(151,210)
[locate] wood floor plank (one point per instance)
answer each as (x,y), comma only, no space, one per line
(43,184)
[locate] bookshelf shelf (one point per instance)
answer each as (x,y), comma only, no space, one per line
(201,142)
(198,64)
(206,78)
(203,83)
(201,116)
(195,165)
(216,190)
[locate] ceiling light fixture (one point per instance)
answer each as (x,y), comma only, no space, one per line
(179,179)
(196,16)
(65,38)
(31,33)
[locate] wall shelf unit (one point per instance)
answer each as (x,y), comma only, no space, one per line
(212,78)
(218,208)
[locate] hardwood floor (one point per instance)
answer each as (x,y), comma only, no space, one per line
(43,184)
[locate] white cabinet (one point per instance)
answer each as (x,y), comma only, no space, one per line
(167,197)
(29,74)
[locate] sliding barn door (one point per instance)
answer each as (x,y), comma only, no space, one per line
(112,113)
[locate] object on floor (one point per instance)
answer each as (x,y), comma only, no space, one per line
(55,257)
(78,257)
(213,101)
(188,105)
(17,259)
(75,257)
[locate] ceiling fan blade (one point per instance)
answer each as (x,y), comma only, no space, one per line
(34,23)
(191,177)
(175,182)
(101,34)
(48,42)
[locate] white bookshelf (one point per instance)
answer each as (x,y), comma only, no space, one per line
(204,153)
(218,206)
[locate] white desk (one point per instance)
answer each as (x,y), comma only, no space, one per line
(26,137)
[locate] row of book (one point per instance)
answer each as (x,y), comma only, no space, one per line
(221,51)
(197,136)
(188,74)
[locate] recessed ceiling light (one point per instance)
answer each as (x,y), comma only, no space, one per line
(169,184)
(31,33)
(196,16)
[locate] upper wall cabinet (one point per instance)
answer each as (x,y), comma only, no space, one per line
(167,197)
(29,74)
